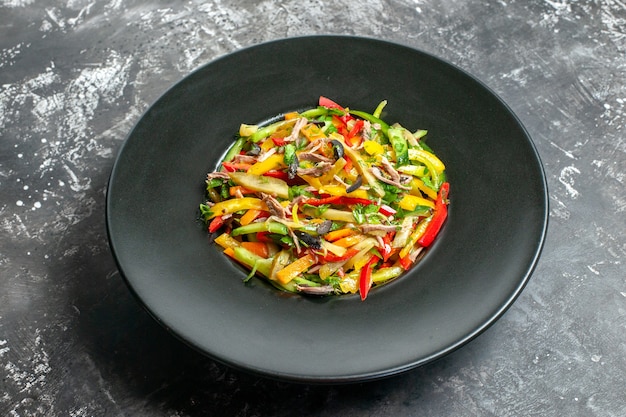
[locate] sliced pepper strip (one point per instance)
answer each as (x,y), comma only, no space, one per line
(372,119)
(331,257)
(216,224)
(409,202)
(278,141)
(250,216)
(406,263)
(321,201)
(231,206)
(295,268)
(227,241)
(439,217)
(427,158)
(355,200)
(419,231)
(365,279)
(232,191)
(385,250)
(418,187)
(328,103)
(272,162)
(338,234)
(358,125)
(258,248)
(232,166)
(351,240)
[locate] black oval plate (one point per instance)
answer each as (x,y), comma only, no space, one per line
(473,272)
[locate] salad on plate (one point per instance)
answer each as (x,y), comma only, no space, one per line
(327,201)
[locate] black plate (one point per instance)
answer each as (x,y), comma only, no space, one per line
(470,276)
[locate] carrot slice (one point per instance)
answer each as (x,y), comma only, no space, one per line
(295,268)
(232,191)
(258,248)
(249,216)
(338,234)
(348,241)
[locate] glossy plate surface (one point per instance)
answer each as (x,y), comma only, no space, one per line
(471,275)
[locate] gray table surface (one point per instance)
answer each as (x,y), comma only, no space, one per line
(76,75)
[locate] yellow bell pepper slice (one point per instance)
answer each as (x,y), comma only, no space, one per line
(362,256)
(312,181)
(312,132)
(272,162)
(231,206)
(417,233)
(349,283)
(409,202)
(434,164)
(330,268)
(267,145)
(295,268)
(430,160)
(294,214)
(373,148)
(415,170)
(340,190)
(227,241)
(418,187)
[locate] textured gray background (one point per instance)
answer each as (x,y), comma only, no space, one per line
(76,75)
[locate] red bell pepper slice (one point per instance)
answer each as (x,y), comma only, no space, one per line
(439,217)
(274,173)
(345,119)
(339,200)
(328,103)
(365,279)
(385,210)
(406,263)
(348,166)
(321,201)
(263,237)
(279,141)
(386,249)
(352,137)
(355,200)
(340,124)
(216,224)
(331,257)
(358,125)
(233,166)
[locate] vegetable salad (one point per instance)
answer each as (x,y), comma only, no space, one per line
(327,201)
